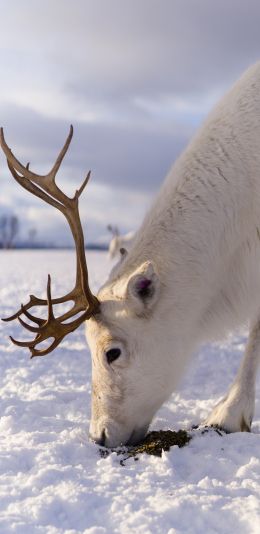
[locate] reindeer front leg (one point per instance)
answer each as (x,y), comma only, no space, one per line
(235,411)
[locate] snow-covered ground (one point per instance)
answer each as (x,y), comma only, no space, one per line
(52,479)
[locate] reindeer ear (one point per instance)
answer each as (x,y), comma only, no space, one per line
(143,287)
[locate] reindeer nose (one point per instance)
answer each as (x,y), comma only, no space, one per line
(101,440)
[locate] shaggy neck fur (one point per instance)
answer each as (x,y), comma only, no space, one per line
(196,233)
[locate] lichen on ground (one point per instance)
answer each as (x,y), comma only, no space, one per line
(154,443)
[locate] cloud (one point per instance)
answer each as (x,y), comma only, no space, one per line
(135,46)
(92,52)
(136,78)
(125,155)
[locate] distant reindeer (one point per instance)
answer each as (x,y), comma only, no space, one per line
(119,244)
(192,274)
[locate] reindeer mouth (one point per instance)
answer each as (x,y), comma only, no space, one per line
(137,436)
(104,440)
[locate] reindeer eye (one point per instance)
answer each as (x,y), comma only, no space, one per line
(112,355)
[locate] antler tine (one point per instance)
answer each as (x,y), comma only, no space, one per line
(27,344)
(32,188)
(81,295)
(48,189)
(12,160)
(44,352)
(36,320)
(61,155)
(24,170)
(28,326)
(82,187)
(50,308)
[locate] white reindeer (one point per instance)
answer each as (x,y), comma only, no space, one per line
(119,244)
(191,276)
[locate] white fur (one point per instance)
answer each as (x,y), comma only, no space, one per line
(199,247)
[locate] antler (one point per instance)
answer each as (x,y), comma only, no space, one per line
(45,188)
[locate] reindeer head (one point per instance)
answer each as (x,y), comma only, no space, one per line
(129,382)
(128,385)
(114,244)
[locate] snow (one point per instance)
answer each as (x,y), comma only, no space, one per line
(52,478)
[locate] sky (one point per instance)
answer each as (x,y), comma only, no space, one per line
(136,78)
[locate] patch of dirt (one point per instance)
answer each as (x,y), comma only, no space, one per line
(157,441)
(154,443)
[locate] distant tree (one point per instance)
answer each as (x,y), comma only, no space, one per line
(3,229)
(13,230)
(31,235)
(9,228)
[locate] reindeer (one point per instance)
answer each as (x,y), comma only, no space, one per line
(119,243)
(191,276)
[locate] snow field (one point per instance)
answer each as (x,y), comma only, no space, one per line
(52,479)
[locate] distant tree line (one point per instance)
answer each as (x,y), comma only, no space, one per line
(9,228)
